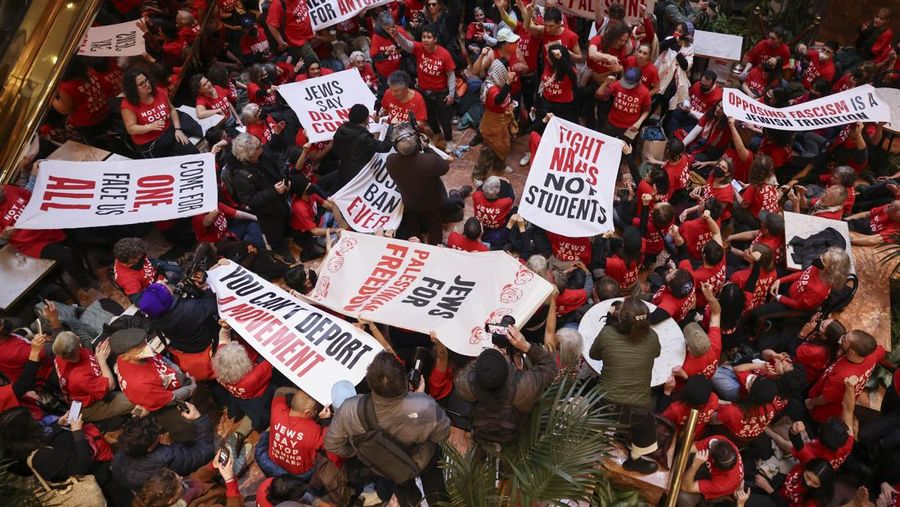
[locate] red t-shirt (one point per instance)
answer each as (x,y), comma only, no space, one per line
(83,380)
(89,104)
(560,92)
(625,275)
(253,384)
(219,228)
(882,224)
(628,105)
(567,39)
(814,358)
(703,102)
(602,67)
(760,290)
(303,76)
(253,89)
(297,25)
(293,440)
(678,308)
(256,43)
(570,300)
(724,195)
(775,243)
(132,281)
(385,54)
(678,411)
(398,112)
(721,482)
(149,383)
(654,237)
(29,242)
(749,421)
(712,275)
(817,69)
(649,73)
(14,351)
(457,241)
(707,363)
(433,67)
(740,169)
(763,50)
(695,233)
(645,188)
(679,173)
(493,103)
(831,384)
(757,81)
(570,249)
(815,449)
(529,45)
(780,154)
(220,102)
(303,213)
(761,197)
(149,113)
(807,290)
(492,214)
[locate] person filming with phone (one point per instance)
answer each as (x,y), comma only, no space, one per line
(503,386)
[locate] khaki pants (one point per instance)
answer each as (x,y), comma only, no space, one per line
(113,404)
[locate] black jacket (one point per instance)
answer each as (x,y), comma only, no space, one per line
(253,185)
(354,146)
(191,324)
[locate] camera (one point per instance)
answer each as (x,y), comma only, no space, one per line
(415,374)
(500,332)
(201,260)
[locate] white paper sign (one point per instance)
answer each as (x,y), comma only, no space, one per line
(718,45)
(570,187)
(325,13)
(423,288)
(122,39)
(370,200)
(799,225)
(312,348)
(858,104)
(71,195)
(323,103)
(205,123)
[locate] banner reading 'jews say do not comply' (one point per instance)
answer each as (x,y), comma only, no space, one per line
(72,195)
(308,346)
(121,39)
(570,186)
(860,104)
(370,201)
(325,13)
(427,288)
(323,103)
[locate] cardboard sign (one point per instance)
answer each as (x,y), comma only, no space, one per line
(427,288)
(312,348)
(370,200)
(122,39)
(325,13)
(587,8)
(718,45)
(570,187)
(858,104)
(799,225)
(71,195)
(323,103)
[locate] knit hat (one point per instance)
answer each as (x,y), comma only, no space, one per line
(358,113)
(697,389)
(491,369)
(631,78)
(762,391)
(340,392)
(155,300)
(126,339)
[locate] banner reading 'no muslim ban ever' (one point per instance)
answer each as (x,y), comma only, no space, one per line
(427,288)
(570,186)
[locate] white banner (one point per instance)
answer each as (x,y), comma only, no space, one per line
(325,13)
(858,104)
(370,200)
(718,45)
(323,103)
(428,288)
(586,8)
(122,39)
(570,187)
(310,347)
(71,195)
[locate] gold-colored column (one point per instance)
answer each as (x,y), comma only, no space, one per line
(677,473)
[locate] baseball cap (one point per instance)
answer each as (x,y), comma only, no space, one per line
(126,339)
(506,35)
(631,78)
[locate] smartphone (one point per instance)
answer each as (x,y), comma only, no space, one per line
(224,456)
(74,411)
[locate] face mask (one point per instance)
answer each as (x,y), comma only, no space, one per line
(139,264)
(705,89)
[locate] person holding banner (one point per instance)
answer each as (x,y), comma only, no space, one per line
(151,119)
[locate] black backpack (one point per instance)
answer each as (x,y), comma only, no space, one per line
(663,29)
(380,451)
(494,418)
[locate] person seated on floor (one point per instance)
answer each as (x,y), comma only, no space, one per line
(470,239)
(133,270)
(86,377)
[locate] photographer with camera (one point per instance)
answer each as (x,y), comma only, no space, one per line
(502,386)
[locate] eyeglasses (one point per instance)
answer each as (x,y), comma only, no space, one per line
(145,82)
(432,4)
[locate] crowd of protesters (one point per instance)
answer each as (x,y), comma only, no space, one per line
(699,239)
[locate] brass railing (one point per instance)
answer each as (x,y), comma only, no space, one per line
(676,475)
(44,42)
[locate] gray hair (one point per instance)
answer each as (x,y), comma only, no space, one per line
(538,263)
(491,186)
(357,55)
(249,112)
(243,146)
(66,345)
(231,363)
(570,346)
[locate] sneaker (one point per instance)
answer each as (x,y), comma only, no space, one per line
(508,170)
(465,191)
(640,465)
(526,158)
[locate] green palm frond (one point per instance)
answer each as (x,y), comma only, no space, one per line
(891,252)
(469,480)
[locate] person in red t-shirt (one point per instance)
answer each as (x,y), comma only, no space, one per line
(630,106)
(309,226)
(649,73)
(401,100)
(763,77)
(254,43)
(38,243)
(772,46)
(386,55)
(760,194)
(756,280)
(557,88)
(820,63)
(696,394)
(675,298)
(151,119)
(213,99)
(492,205)
(291,26)
(704,95)
(725,470)
(622,260)
(770,234)
(13,392)
(571,299)
(861,353)
(248,383)
(470,239)
(698,231)
(292,443)
(875,37)
(358,62)
(677,166)
(82,98)
(133,271)
(314,69)
(878,226)
(703,349)
(87,378)
(568,249)
(553,32)
(436,75)
(820,346)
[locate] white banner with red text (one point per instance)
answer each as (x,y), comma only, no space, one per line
(325,13)
(323,103)
(634,9)
(72,195)
(370,201)
(121,39)
(310,347)
(570,186)
(860,104)
(428,288)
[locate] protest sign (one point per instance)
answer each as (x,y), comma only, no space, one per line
(323,103)
(308,346)
(71,195)
(857,104)
(570,187)
(370,200)
(427,288)
(325,13)
(122,39)
(586,8)
(718,45)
